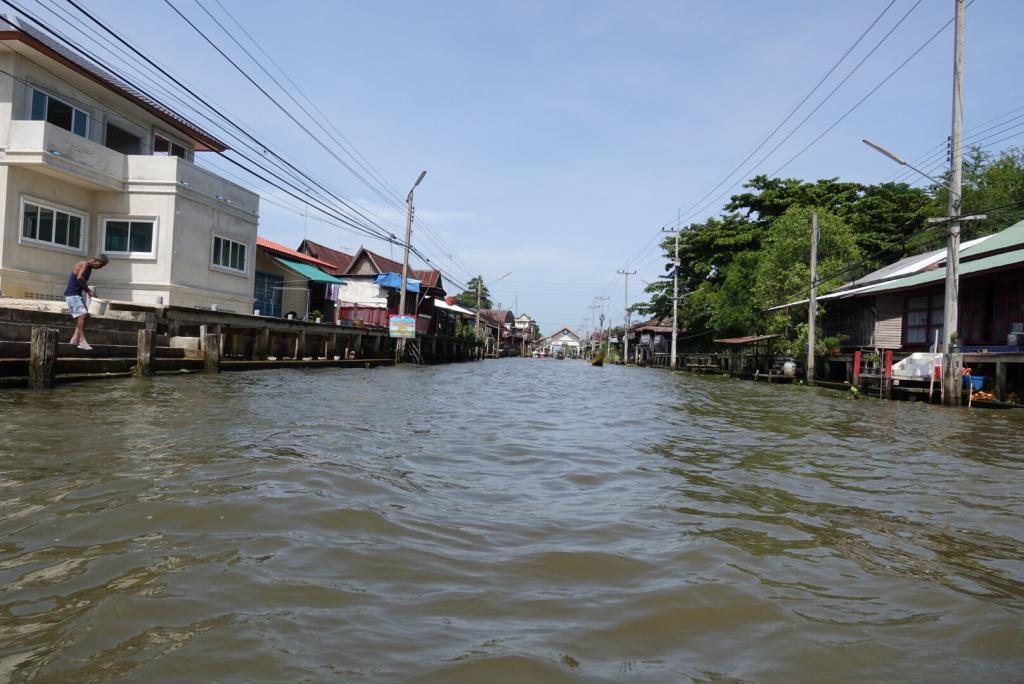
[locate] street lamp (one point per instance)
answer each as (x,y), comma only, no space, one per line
(903,162)
(400,347)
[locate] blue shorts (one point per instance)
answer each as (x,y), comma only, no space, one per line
(76,306)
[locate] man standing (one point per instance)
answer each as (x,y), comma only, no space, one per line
(78,282)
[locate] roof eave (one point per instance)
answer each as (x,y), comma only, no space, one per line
(203,141)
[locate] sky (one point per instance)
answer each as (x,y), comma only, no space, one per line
(559,137)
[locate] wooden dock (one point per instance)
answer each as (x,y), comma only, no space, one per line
(146,340)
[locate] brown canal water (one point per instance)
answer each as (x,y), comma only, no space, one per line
(507,521)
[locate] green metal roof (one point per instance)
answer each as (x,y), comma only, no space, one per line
(939,274)
(1008,237)
(308,271)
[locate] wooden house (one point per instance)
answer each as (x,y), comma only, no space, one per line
(372,291)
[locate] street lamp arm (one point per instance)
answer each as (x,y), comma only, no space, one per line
(903,162)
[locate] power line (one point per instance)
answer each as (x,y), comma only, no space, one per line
(369,230)
(386,191)
(811,92)
(835,123)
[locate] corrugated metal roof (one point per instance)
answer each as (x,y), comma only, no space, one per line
(289,252)
(910,271)
(337,260)
(746,340)
(938,275)
(309,271)
(1009,237)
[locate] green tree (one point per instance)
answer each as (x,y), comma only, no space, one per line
(468,296)
(989,180)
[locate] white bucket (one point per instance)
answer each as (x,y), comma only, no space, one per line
(97,307)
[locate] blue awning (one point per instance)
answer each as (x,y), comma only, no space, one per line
(394,281)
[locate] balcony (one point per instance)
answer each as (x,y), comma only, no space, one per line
(56,152)
(53,151)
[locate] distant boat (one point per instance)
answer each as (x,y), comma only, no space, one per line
(598,360)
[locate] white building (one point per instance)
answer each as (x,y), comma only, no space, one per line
(565,341)
(89,165)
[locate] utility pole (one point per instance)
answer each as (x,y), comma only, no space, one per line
(673,362)
(951,381)
(600,318)
(625,328)
(400,346)
(812,303)
(479,281)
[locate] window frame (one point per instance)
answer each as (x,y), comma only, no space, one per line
(229,269)
(126,127)
(83,238)
(151,254)
(157,133)
(933,318)
(74,108)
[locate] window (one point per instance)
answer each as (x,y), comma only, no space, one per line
(40,223)
(165,147)
(924,319)
(128,237)
(48,108)
(122,141)
(228,254)
(268,293)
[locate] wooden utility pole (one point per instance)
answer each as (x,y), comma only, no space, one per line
(625,327)
(812,302)
(951,381)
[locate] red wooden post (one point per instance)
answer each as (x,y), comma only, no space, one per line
(888,364)
(856,367)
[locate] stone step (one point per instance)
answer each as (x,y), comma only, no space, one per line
(15,368)
(15,350)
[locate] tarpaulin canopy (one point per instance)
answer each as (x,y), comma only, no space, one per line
(394,281)
(309,271)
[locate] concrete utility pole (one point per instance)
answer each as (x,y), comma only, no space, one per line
(479,282)
(812,302)
(625,328)
(400,346)
(673,362)
(600,318)
(951,381)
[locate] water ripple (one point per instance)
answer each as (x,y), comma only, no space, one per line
(518,520)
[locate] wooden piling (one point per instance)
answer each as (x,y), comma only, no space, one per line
(42,368)
(211,353)
(1001,380)
(263,344)
(144,353)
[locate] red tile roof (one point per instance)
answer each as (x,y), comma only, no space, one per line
(272,246)
(339,261)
